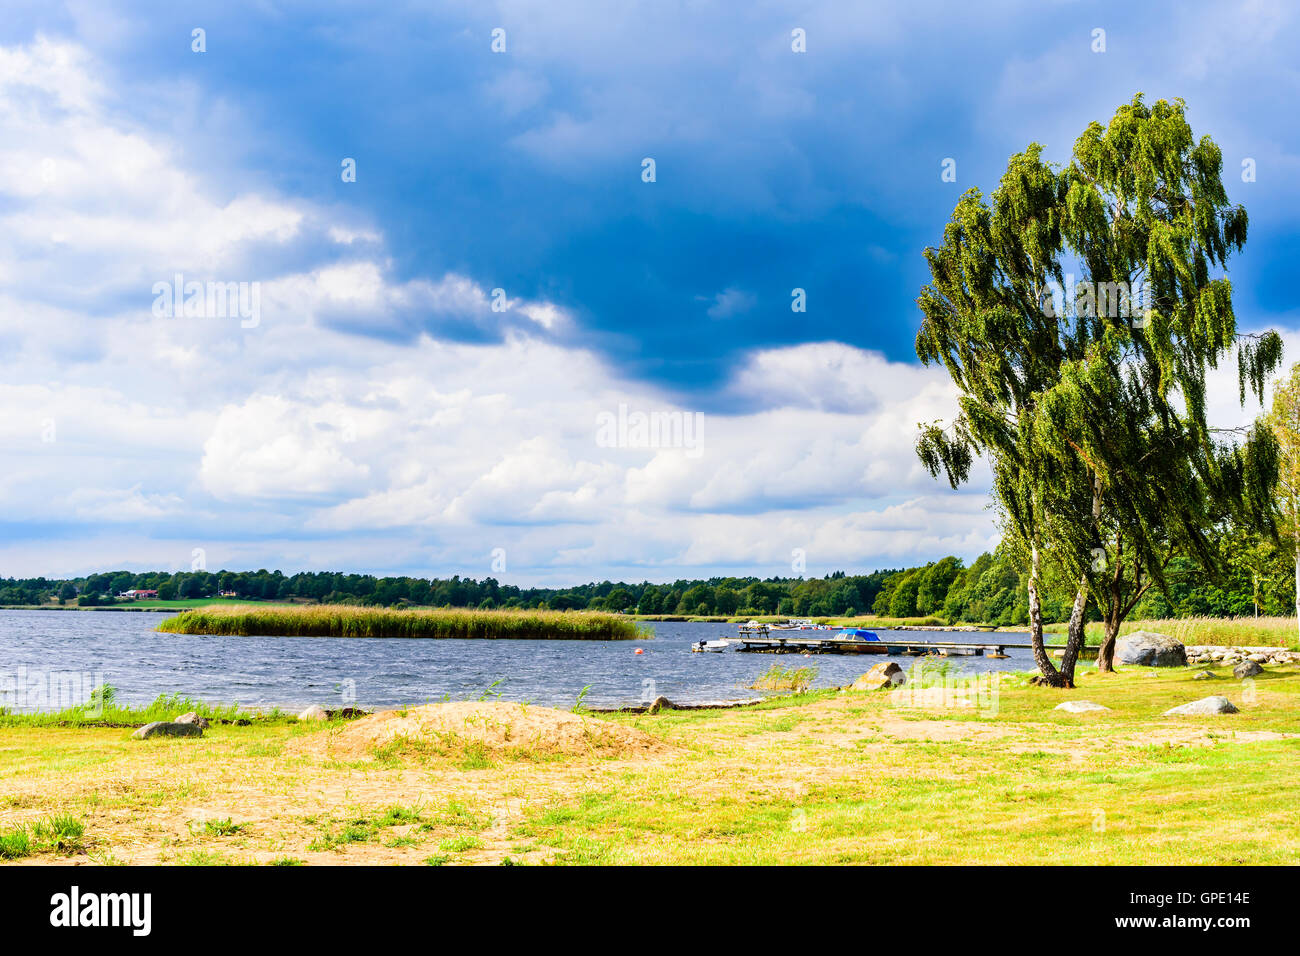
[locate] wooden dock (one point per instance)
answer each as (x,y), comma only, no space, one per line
(802,642)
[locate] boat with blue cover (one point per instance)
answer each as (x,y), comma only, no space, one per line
(862,635)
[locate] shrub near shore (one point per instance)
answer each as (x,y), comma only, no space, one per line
(345,621)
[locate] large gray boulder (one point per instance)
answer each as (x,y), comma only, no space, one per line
(1204,707)
(166,728)
(193,718)
(1246,669)
(1149,649)
(884,674)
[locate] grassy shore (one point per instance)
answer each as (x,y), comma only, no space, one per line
(104,710)
(333,620)
(823,777)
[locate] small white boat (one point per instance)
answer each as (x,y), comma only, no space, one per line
(699,647)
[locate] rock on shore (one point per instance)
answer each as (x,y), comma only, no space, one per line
(165,728)
(1232,656)
(1150,649)
(1204,707)
(884,674)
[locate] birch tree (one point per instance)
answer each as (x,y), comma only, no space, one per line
(1284,421)
(1088,397)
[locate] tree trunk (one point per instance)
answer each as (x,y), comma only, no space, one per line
(1114,611)
(1297,583)
(1045,667)
(1075,634)
(1106,653)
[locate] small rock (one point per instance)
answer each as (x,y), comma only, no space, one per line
(314,712)
(347,713)
(1079,706)
(164,728)
(1203,707)
(658,704)
(1203,675)
(193,718)
(1149,649)
(1246,669)
(884,674)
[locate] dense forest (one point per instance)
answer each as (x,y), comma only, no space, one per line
(991,590)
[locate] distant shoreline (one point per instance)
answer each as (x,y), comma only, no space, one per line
(74,607)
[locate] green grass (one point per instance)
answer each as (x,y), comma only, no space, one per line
(455,816)
(103,709)
(183,603)
(15,843)
(820,777)
(1100,789)
(221,827)
(347,621)
(61,833)
(460,843)
(363,829)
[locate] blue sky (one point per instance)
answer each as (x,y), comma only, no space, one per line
(381,416)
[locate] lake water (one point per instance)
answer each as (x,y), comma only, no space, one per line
(51,659)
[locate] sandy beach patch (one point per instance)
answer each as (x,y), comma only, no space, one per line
(494,727)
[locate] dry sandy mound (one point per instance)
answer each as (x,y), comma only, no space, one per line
(492,726)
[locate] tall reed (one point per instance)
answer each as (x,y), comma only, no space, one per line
(335,620)
(776,677)
(1201,629)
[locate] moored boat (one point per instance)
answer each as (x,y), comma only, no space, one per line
(862,641)
(700,647)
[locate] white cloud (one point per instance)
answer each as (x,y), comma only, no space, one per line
(271,448)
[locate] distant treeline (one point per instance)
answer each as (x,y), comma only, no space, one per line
(991,590)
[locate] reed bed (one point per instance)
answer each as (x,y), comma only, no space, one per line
(332,620)
(1230,631)
(776,677)
(1225,631)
